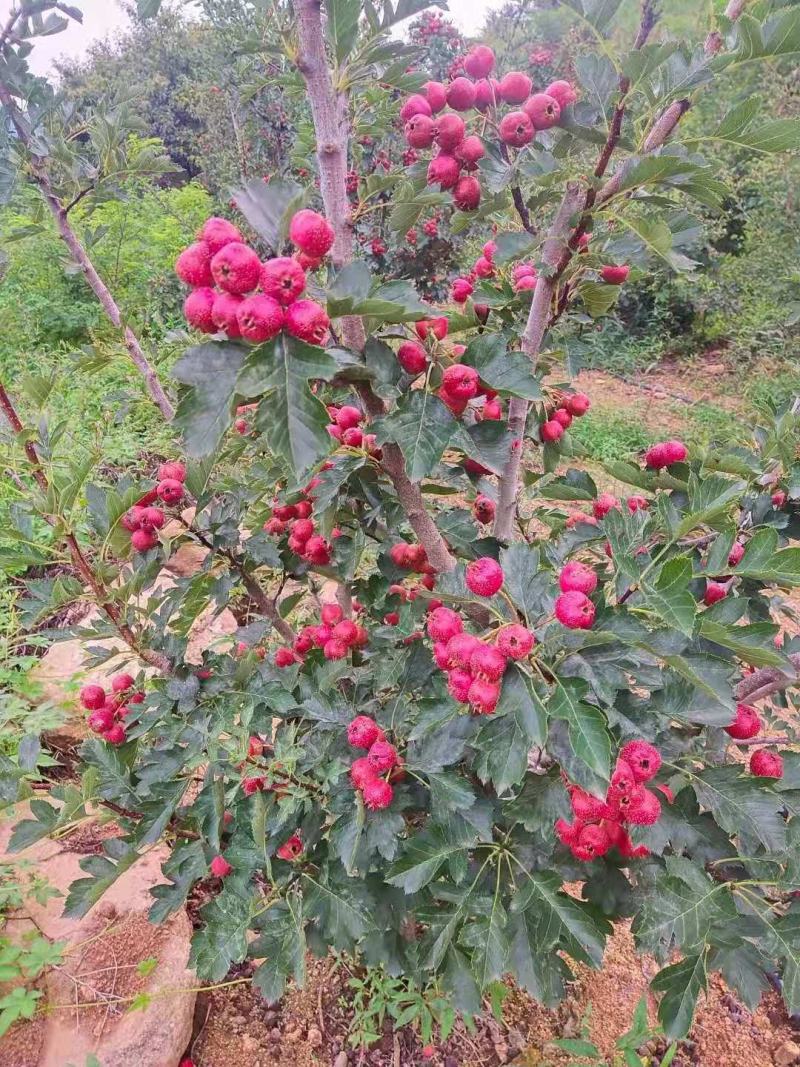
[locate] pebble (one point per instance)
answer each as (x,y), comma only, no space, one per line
(341,1060)
(786,1054)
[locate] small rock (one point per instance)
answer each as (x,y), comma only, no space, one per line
(341,1060)
(786,1054)
(314,1037)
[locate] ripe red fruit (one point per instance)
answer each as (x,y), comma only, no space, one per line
(307,321)
(543,111)
(460,382)
(515,641)
(746,724)
(132,519)
(443,170)
(361,772)
(428,1052)
(461,290)
(604,503)
(334,649)
(143,540)
(443,624)
(330,613)
(488,661)
(197,310)
(438,327)
(665,453)
(735,554)
(382,756)
(637,503)
(577,404)
(348,416)
(220,867)
(102,720)
(484,576)
(290,849)
(377,794)
(551,430)
(516,129)
(561,414)
(575,611)
(644,808)
(486,93)
(484,268)
(484,508)
(515,87)
(563,92)
(170,490)
(415,105)
(461,94)
(346,631)
(193,265)
(587,807)
(419,131)
(92,697)
(412,357)
(252,785)
(260,318)
(715,591)
(460,648)
(217,233)
(459,682)
(312,233)
(225,313)
(236,268)
(467,193)
(283,279)
(766,764)
(614,275)
(435,94)
(483,695)
(479,61)
(152,519)
(172,469)
(450,131)
(120,683)
(284,657)
(577,577)
(778,499)
(643,759)
(317,551)
(116,735)
(471,150)
(591,843)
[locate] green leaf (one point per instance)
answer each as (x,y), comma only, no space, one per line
(534,965)
(515,244)
(743,806)
(680,986)
(524,582)
(677,914)
(422,426)
(147,9)
(425,853)
(598,298)
(341,26)
(269,206)
(709,497)
(557,919)
(449,792)
(669,597)
(222,941)
(291,418)
(753,643)
(591,741)
(282,945)
(103,871)
(205,411)
(509,372)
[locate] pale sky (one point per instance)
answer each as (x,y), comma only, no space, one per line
(101,17)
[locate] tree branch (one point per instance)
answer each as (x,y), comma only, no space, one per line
(766,681)
(81,257)
(329,110)
(80,562)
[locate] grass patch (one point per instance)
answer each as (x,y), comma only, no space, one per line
(608,435)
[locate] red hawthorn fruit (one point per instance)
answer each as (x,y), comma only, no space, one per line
(132,519)
(170,490)
(197,310)
(308,262)
(551,430)
(577,404)
(560,414)
(412,357)
(484,509)
(284,512)
(435,94)
(284,657)
(746,724)
(487,93)
(614,275)
(193,265)
(312,233)
(577,577)
(715,591)
(361,772)
(483,695)
(317,551)
(283,279)
(484,576)
(220,867)
(415,105)
(515,87)
(330,614)
(382,756)
(121,683)
(735,554)
(515,641)
(461,94)
(575,611)
(346,631)
(604,503)
(459,682)
(623,780)
(460,382)
(586,807)
(255,746)
(544,111)
(516,129)
(291,849)
(152,519)
(143,540)
(438,327)
(116,735)
(766,764)
(307,321)
(642,758)
(450,132)
(334,649)
(440,655)
(467,193)
(236,268)
(419,131)
(479,61)
(444,170)
(353,437)
(461,290)
(470,150)
(778,499)
(377,794)
(253,785)
(303,643)
(172,469)
(566,832)
(592,842)
(101,719)
(489,662)
(484,268)
(92,697)
(527,283)
(644,808)
(563,92)
(302,530)
(664,454)
(391,618)
(491,410)
(460,648)
(225,313)
(637,503)
(443,624)
(217,233)
(348,417)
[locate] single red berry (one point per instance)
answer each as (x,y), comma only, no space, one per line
(479,61)
(382,756)
(551,430)
(484,507)
(746,724)
(253,785)
(377,794)
(515,641)
(484,576)
(435,94)
(587,807)
(735,554)
(516,129)
(419,131)
(412,357)
(461,94)
(120,683)
(307,321)
(515,87)
(284,657)
(102,719)
(459,682)
(217,233)
(461,290)
(172,469)
(577,577)
(467,193)
(291,849)
(637,503)
(766,764)
(283,279)
(487,93)
(563,92)
(449,133)
(193,265)
(577,404)
(615,275)
(543,111)
(575,611)
(312,233)
(471,150)
(443,624)
(361,772)
(334,649)
(444,170)
(225,313)
(604,503)
(428,1052)
(415,105)
(143,540)
(170,490)
(220,867)
(460,382)
(363,732)
(197,309)
(560,414)
(330,613)
(778,498)
(644,808)
(92,697)
(346,631)
(642,758)
(116,735)
(623,780)
(715,591)
(236,268)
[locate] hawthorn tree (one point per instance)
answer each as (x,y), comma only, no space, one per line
(460,689)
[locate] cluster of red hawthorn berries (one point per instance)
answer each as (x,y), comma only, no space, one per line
(476,90)
(346,426)
(571,406)
(144,518)
(334,634)
(296,520)
(225,273)
(747,724)
(108,710)
(382,758)
(600,825)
